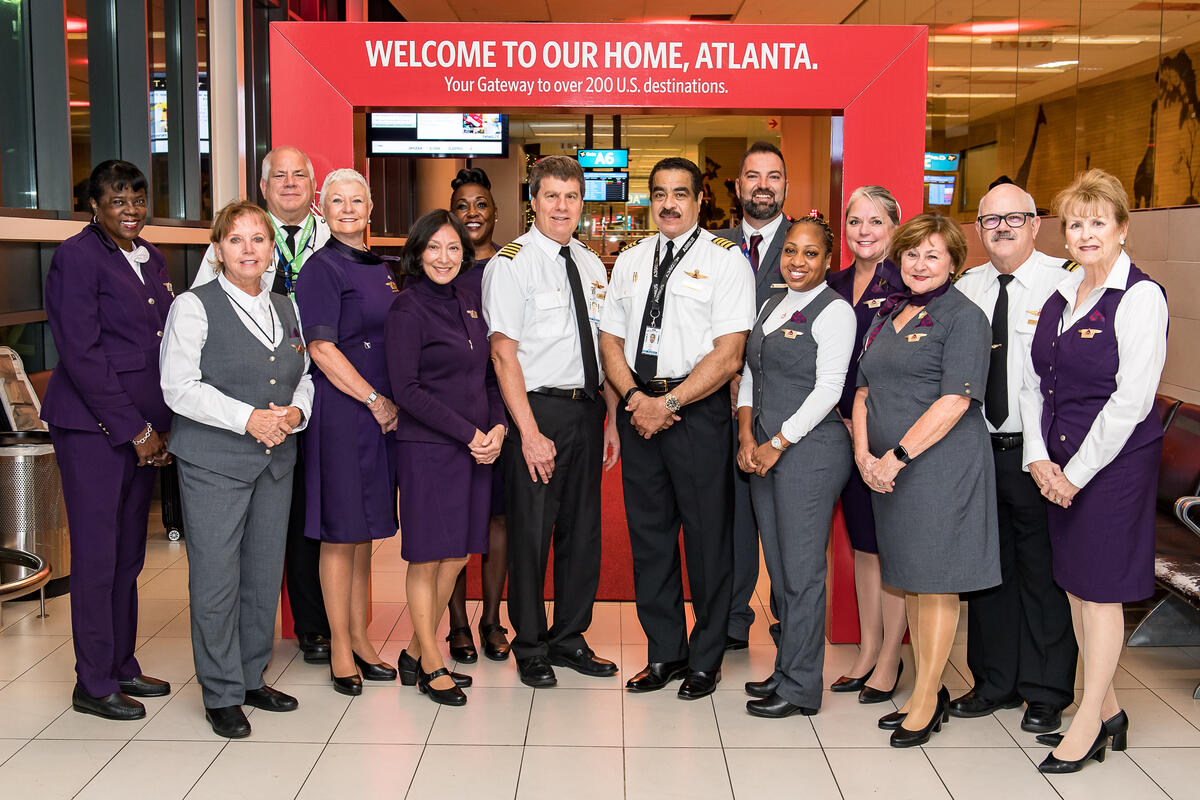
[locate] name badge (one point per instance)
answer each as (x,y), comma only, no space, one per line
(472,313)
(876,303)
(170,288)
(915,337)
(778,285)
(650,343)
(1088,333)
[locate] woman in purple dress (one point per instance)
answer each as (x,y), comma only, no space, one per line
(871,217)
(344,294)
(472,203)
(1093,442)
(450,430)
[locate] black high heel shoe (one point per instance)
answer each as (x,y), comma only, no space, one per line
(350,685)
(498,650)
(844,684)
(1056,766)
(410,669)
(889,722)
(1116,726)
(374,672)
(903,737)
(448,697)
(869,695)
(465,650)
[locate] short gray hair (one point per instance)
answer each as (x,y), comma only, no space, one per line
(344,175)
(1026,196)
(266,164)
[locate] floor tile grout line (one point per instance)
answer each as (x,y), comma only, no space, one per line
(424,748)
(1147,774)
(524,743)
(204,771)
(933,767)
(1165,702)
(105,766)
(721,744)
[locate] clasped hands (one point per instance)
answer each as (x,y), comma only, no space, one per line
(1053,483)
(485,447)
(153,451)
(649,415)
(757,458)
(878,473)
(271,425)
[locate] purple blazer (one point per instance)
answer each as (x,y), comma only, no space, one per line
(887,281)
(439,363)
(107,326)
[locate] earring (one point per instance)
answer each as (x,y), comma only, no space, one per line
(1066,247)
(1122,242)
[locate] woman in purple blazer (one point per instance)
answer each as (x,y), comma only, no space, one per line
(107,295)
(449,430)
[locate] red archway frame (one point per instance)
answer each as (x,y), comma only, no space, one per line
(874,77)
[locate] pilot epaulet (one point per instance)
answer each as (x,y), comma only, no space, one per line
(588,246)
(728,245)
(509,250)
(1070,266)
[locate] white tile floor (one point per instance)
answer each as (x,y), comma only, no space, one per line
(585,738)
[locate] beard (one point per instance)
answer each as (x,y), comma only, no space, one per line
(762,210)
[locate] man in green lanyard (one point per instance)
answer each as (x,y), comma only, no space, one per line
(287,187)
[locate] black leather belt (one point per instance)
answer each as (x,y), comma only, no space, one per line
(569,394)
(1007,441)
(659,386)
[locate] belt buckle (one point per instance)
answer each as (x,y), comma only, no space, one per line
(658,385)
(578,394)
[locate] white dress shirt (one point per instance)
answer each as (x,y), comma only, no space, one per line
(709,294)
(317,240)
(833,330)
(136,265)
(184,336)
(1033,283)
(768,232)
(528,299)
(1140,325)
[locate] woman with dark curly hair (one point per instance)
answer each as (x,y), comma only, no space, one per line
(449,431)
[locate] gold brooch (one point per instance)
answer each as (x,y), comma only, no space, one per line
(696,275)
(915,337)
(1088,333)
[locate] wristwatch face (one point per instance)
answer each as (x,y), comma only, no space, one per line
(777,443)
(672,403)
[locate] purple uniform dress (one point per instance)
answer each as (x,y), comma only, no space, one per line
(439,362)
(856,497)
(107,326)
(1103,545)
(343,295)
(474,277)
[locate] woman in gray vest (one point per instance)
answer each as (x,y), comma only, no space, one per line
(234,371)
(794,442)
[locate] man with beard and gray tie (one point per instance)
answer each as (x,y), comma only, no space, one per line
(762,187)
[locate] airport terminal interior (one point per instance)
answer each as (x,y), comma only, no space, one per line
(1036,90)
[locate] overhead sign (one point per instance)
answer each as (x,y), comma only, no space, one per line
(591,159)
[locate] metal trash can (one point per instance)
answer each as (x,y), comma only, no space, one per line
(33,516)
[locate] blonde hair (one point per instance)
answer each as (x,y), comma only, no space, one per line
(344,175)
(921,227)
(883,200)
(224,220)
(1094,191)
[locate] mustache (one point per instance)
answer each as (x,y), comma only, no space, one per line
(669,213)
(1003,236)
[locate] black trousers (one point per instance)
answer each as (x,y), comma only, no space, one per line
(1019,637)
(565,511)
(302,563)
(682,476)
(745,551)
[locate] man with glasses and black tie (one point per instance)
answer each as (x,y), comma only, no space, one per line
(1020,645)
(287,188)
(674,329)
(542,299)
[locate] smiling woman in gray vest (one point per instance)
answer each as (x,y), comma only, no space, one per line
(234,371)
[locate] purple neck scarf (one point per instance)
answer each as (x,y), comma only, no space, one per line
(893,301)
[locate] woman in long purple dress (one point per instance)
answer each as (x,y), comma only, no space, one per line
(871,217)
(439,362)
(344,294)
(1093,442)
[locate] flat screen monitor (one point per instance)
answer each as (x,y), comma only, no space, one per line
(605,187)
(592,159)
(438,135)
(940,189)
(941,162)
(158,114)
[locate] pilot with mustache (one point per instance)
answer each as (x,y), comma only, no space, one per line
(672,334)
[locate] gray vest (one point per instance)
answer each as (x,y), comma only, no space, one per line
(238,365)
(784,363)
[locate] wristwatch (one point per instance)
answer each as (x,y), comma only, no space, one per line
(371,398)
(901,454)
(672,403)
(777,443)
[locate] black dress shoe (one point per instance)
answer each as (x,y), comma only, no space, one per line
(536,671)
(462,646)
(269,699)
(775,707)
(453,696)
(374,672)
(904,737)
(585,662)
(229,722)
(144,686)
(112,706)
(844,684)
(656,675)
(1116,726)
(869,695)
(764,688)
(314,647)
(972,705)
(699,683)
(495,643)
(409,667)
(1056,766)
(734,643)
(349,685)
(1041,718)
(889,722)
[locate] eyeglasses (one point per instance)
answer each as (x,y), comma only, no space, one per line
(1015,220)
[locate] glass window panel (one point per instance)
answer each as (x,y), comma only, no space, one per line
(18,183)
(79,98)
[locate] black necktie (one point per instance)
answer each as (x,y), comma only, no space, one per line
(280,285)
(995,403)
(755,241)
(644,366)
(587,344)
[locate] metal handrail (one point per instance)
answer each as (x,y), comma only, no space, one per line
(30,583)
(1183,508)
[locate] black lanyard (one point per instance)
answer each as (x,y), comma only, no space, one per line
(659,285)
(249,316)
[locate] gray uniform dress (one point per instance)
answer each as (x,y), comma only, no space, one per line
(794,501)
(937,530)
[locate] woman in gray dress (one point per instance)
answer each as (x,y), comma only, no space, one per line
(921,445)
